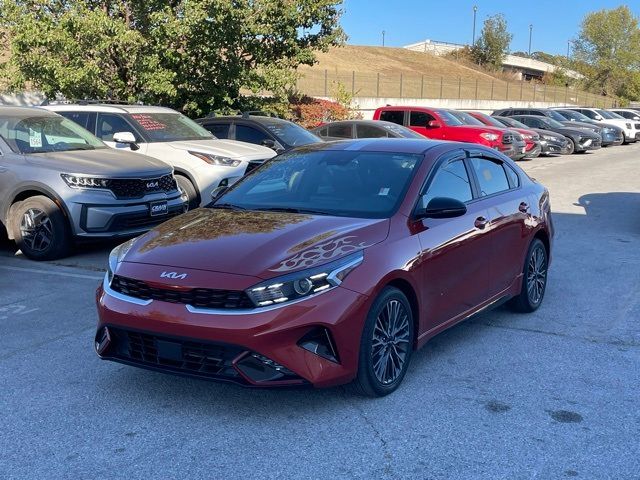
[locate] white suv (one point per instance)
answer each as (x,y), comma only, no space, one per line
(202,163)
(609,118)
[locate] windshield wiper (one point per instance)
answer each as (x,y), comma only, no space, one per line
(227,206)
(291,210)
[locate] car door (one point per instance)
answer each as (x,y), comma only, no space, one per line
(508,214)
(250,134)
(419,122)
(218,129)
(455,251)
(108,124)
(393,116)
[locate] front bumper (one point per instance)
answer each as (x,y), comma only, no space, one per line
(534,151)
(551,147)
(612,138)
(219,345)
(515,150)
(588,144)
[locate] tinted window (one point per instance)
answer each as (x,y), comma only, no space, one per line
(393,116)
(341,130)
(341,183)
(81,118)
(250,134)
(531,122)
(451,180)
(555,115)
(369,131)
(420,119)
(220,130)
(491,176)
(588,113)
(110,123)
(514,180)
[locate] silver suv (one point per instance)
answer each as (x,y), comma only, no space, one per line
(59,183)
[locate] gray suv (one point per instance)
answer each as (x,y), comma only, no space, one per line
(59,183)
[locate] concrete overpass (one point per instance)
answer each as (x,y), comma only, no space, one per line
(521,66)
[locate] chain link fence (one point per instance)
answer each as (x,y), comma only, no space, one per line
(324,83)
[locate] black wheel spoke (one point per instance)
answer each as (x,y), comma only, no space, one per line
(390,342)
(536,275)
(36,230)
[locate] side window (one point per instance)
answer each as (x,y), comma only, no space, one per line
(250,134)
(420,119)
(537,112)
(588,113)
(110,123)
(369,131)
(340,130)
(451,180)
(81,118)
(519,112)
(220,130)
(394,116)
(514,179)
(491,176)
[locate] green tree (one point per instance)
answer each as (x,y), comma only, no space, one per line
(609,46)
(493,44)
(193,55)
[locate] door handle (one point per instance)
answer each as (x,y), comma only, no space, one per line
(481,222)
(523,207)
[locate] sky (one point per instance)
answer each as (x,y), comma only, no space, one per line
(411,21)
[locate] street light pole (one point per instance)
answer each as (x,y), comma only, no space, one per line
(568,49)
(473,37)
(530,31)
(383,32)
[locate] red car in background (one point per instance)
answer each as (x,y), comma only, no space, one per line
(532,139)
(441,124)
(329,264)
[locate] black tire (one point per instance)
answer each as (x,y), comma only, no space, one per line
(398,345)
(40,229)
(531,294)
(571,147)
(187,187)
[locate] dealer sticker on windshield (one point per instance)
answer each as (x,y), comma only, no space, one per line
(35,138)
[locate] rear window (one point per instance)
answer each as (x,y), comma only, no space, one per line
(394,116)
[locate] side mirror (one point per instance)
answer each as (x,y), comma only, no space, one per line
(434,124)
(443,207)
(127,138)
(216,192)
(598,117)
(267,142)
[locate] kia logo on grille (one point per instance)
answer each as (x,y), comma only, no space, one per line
(173,275)
(153,184)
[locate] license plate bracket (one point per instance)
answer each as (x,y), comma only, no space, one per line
(169,350)
(158,209)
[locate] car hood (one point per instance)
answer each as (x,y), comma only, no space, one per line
(259,244)
(576,131)
(541,132)
(589,126)
(102,162)
(226,148)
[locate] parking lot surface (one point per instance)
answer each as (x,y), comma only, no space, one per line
(547,395)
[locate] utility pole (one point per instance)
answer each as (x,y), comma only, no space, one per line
(383,32)
(568,49)
(473,37)
(530,31)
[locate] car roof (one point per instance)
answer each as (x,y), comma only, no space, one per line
(360,122)
(392,145)
(262,119)
(107,107)
(24,112)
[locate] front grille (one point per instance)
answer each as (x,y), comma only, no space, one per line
(131,188)
(507,138)
(212,360)
(253,165)
(130,221)
(637,126)
(196,297)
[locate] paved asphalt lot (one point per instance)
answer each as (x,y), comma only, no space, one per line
(549,395)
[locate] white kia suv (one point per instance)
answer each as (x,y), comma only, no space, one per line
(202,163)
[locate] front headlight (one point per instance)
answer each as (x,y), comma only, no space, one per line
(492,137)
(303,283)
(116,256)
(81,181)
(216,159)
(549,137)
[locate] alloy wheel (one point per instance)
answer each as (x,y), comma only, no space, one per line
(391,342)
(36,230)
(537,275)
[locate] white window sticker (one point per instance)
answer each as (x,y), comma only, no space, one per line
(384,191)
(35,139)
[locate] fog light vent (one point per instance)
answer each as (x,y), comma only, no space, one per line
(320,342)
(262,369)
(103,340)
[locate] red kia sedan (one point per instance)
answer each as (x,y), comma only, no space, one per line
(329,264)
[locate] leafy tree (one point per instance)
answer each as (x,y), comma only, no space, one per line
(193,55)
(493,44)
(609,47)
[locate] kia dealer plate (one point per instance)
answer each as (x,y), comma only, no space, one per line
(158,208)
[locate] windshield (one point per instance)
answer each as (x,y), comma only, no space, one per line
(552,123)
(449,119)
(466,118)
(556,116)
(327,182)
(292,134)
(491,120)
(609,115)
(577,116)
(42,134)
(170,127)
(400,130)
